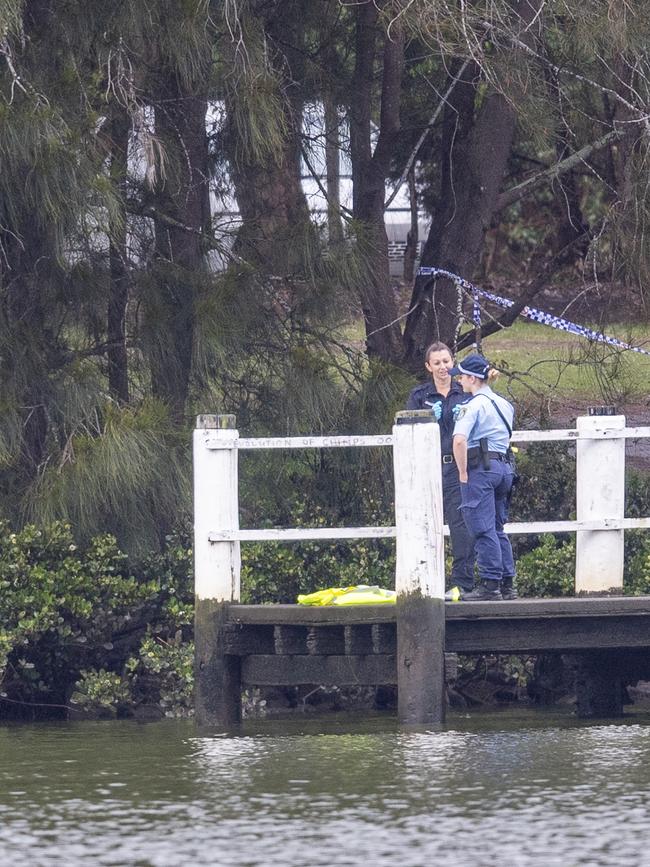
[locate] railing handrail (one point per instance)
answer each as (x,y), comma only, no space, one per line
(514,528)
(379,440)
(297,534)
(600,499)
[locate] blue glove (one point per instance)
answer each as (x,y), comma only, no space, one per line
(437,410)
(455,412)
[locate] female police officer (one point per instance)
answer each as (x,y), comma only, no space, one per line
(443,396)
(480,443)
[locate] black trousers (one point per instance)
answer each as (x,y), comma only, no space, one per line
(462,541)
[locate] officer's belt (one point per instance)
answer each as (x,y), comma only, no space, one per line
(476,453)
(447,459)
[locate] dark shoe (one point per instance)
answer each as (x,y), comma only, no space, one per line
(508,589)
(487,591)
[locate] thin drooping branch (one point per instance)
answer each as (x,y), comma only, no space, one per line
(642,115)
(207,239)
(343,212)
(514,194)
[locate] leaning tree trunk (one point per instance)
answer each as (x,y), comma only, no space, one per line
(476,147)
(475,156)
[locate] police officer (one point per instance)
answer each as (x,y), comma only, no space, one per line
(481,440)
(443,397)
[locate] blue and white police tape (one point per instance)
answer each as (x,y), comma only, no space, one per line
(531,313)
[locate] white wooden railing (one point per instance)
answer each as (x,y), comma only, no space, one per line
(600,501)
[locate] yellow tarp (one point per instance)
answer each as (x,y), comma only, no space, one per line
(361,594)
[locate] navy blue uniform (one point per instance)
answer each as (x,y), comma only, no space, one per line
(486,496)
(462,542)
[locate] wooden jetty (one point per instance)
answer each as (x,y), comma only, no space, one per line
(411,643)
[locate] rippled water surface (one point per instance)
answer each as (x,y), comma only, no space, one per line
(506,790)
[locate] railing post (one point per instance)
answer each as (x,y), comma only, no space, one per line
(216,570)
(420,569)
(600,493)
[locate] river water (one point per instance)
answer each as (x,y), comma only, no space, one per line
(514,788)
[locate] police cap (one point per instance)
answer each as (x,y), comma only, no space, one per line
(473,365)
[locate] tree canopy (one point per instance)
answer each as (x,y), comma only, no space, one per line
(159,255)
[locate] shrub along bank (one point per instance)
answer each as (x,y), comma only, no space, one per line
(85,630)
(82,629)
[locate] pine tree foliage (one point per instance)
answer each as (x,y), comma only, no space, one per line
(122,468)
(126,130)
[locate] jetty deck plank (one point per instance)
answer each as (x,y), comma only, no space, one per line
(337,670)
(526,625)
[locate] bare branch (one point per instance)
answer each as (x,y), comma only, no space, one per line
(514,194)
(511,314)
(343,212)
(642,115)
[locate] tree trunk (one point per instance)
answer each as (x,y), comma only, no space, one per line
(272,204)
(369,172)
(413,236)
(118,378)
(571,222)
(182,218)
(332,168)
(268,185)
(624,160)
(32,350)
(476,147)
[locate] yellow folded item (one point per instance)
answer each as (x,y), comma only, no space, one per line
(361,594)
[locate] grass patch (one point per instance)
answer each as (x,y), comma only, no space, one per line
(544,361)
(543,366)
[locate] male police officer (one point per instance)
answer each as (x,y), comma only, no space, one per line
(481,440)
(443,397)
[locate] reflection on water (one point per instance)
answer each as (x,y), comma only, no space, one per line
(495,789)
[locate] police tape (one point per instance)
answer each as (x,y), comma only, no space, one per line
(527,312)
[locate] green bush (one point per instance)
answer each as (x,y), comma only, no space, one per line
(636,578)
(102,692)
(546,489)
(548,570)
(85,628)
(637,542)
(73,618)
(164,668)
(279,571)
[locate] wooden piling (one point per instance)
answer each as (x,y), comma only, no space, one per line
(216,569)
(600,494)
(599,684)
(419,577)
